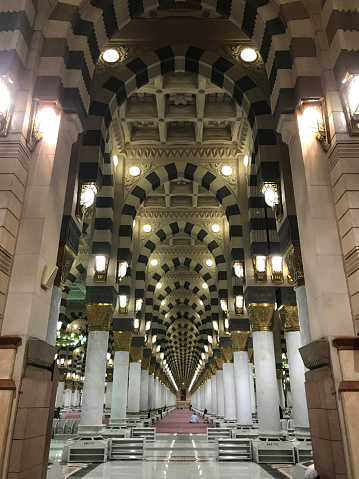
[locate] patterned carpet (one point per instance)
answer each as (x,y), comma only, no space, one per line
(178,421)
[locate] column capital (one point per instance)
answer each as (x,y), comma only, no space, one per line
(293,260)
(227,354)
(219,363)
(239,340)
(213,368)
(261,316)
(99,316)
(145,363)
(136,353)
(122,340)
(288,314)
(151,369)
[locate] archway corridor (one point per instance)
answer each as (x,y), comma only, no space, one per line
(178,243)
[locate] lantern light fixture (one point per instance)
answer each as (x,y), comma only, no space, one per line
(239,305)
(276,268)
(349,93)
(238,267)
(272,197)
(215,325)
(122,270)
(260,268)
(138,304)
(123,304)
(101,265)
(5,105)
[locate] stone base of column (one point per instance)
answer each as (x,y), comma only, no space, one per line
(301,432)
(90,430)
(118,421)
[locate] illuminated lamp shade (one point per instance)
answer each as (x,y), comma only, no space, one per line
(248,55)
(136,324)
(154,339)
(88,195)
(226,170)
(205,348)
(209,262)
(276,267)
(224,305)
(158,349)
(148,325)
(111,55)
(210,339)
(147,228)
(154,262)
(138,304)
(122,304)
(122,270)
(101,263)
(246,161)
(260,268)
(239,304)
(115,160)
(215,228)
(134,171)
(159,285)
(215,325)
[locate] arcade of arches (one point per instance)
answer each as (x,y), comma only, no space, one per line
(175,215)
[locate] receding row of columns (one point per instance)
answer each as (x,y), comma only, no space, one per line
(231,376)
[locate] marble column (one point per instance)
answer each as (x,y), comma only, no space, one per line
(251,385)
(261,318)
(156,392)
(290,319)
(134,379)
(75,400)
(214,393)
(108,402)
(151,391)
(68,395)
(280,388)
(144,390)
(228,383)
(122,344)
(54,315)
(60,394)
(220,392)
(208,394)
(241,377)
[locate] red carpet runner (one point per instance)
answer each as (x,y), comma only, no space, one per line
(178,421)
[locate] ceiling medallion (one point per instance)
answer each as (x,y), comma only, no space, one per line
(237,52)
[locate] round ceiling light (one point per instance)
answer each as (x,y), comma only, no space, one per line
(159,285)
(226,170)
(209,262)
(111,55)
(135,171)
(154,262)
(215,228)
(204,285)
(147,228)
(248,55)
(246,161)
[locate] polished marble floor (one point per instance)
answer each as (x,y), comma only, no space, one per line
(171,456)
(178,470)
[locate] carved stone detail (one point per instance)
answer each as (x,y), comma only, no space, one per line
(231,180)
(99,316)
(122,340)
(136,354)
(227,355)
(202,215)
(261,316)
(144,167)
(288,314)
(240,340)
(207,153)
(65,260)
(293,260)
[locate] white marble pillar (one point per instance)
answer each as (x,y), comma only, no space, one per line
(54,315)
(214,393)
(220,393)
(297,382)
(108,402)
(94,385)
(60,394)
(303,315)
(266,384)
(144,390)
(151,391)
(67,397)
(75,400)
(281,392)
(229,391)
(157,393)
(251,385)
(134,385)
(208,395)
(243,390)
(120,384)
(203,397)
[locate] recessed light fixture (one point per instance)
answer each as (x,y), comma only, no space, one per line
(248,55)
(204,285)
(159,285)
(135,171)
(226,170)
(147,228)
(215,228)
(111,55)
(154,262)
(209,262)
